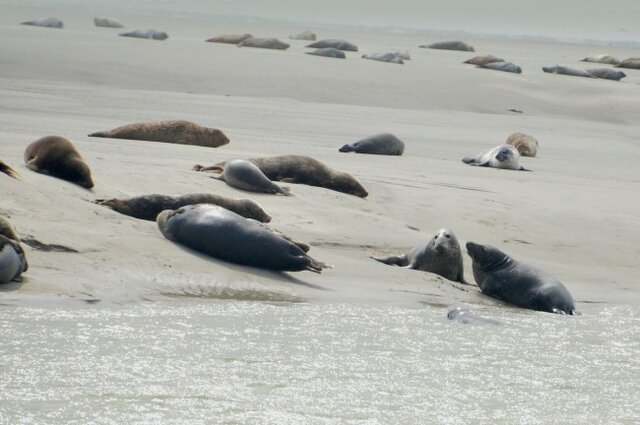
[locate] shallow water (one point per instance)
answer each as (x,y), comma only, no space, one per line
(197,362)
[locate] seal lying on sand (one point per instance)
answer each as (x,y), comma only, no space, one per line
(631,63)
(45,22)
(328,52)
(4,168)
(107,22)
(148,34)
(223,234)
(245,175)
(483,60)
(13,260)
(264,43)
(526,145)
(379,144)
(302,170)
(56,156)
(564,70)
(390,57)
(230,38)
(610,60)
(501,277)
(463,315)
(503,156)
(440,255)
(304,35)
(336,44)
(147,207)
(180,132)
(502,66)
(607,74)
(450,45)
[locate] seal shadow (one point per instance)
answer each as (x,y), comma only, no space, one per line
(14,285)
(32,242)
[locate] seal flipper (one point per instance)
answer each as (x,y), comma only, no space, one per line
(208,169)
(4,168)
(284,191)
(469,160)
(401,261)
(523,169)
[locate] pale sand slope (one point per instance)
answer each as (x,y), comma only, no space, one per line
(576,215)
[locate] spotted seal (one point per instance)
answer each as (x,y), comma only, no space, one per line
(607,74)
(606,59)
(264,43)
(504,156)
(229,38)
(465,316)
(565,70)
(328,52)
(378,144)
(526,145)
(483,60)
(56,156)
(502,66)
(631,63)
(304,35)
(245,175)
(148,34)
(390,57)
(450,45)
(336,44)
(45,22)
(107,23)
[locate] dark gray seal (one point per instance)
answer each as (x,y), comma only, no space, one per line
(328,52)
(565,70)
(229,38)
(45,22)
(504,156)
(463,315)
(147,207)
(264,43)
(223,234)
(336,44)
(379,144)
(440,255)
(6,169)
(503,278)
(607,74)
(245,175)
(390,57)
(483,60)
(609,60)
(57,157)
(148,34)
(304,35)
(502,66)
(450,45)
(301,170)
(172,131)
(107,23)
(631,63)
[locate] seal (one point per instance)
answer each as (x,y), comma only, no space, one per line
(13,260)
(483,60)
(463,315)
(264,43)
(7,229)
(304,35)
(607,74)
(56,156)
(148,34)
(390,57)
(610,60)
(245,175)
(223,234)
(180,132)
(564,70)
(328,52)
(440,255)
(230,38)
(379,144)
(45,22)
(526,145)
(503,156)
(450,45)
(336,44)
(4,168)
(301,170)
(631,63)
(502,66)
(107,22)
(503,278)
(147,207)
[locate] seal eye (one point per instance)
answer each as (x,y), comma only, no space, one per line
(448,236)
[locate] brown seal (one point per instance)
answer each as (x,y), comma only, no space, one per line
(180,132)
(302,170)
(526,145)
(147,207)
(4,168)
(56,156)
(483,60)
(264,43)
(230,38)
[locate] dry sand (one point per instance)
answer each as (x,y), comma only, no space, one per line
(576,215)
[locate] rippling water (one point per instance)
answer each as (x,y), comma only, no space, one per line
(236,362)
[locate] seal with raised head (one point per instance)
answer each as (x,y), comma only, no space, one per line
(148,34)
(173,131)
(147,207)
(463,315)
(565,70)
(501,277)
(107,23)
(264,43)
(13,260)
(502,66)
(45,22)
(301,170)
(391,57)
(610,60)
(229,38)
(526,145)
(223,234)
(378,144)
(607,74)
(304,35)
(336,44)
(245,175)
(440,255)
(4,168)
(504,156)
(57,157)
(631,63)
(450,45)
(328,52)
(483,60)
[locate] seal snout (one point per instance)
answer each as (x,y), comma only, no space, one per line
(346,148)
(473,248)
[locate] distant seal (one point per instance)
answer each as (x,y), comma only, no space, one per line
(245,175)
(302,170)
(147,207)
(264,43)
(501,277)
(304,35)
(56,156)
(45,22)
(223,234)
(379,144)
(107,22)
(440,255)
(483,60)
(607,74)
(4,168)
(526,145)
(148,34)
(504,156)
(180,132)
(502,66)
(463,315)
(390,57)
(631,63)
(328,52)
(230,38)
(564,70)
(610,60)
(450,45)
(336,44)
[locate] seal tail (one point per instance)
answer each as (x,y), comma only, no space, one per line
(285,191)
(208,169)
(4,168)
(317,266)
(99,134)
